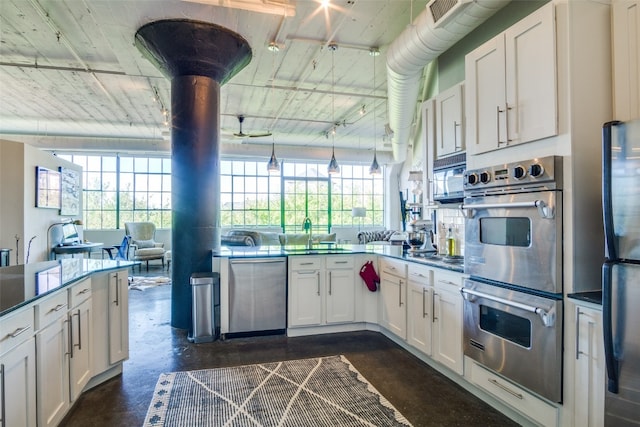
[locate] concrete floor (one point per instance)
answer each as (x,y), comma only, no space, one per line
(425,397)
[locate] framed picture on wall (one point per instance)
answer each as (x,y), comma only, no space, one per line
(70,191)
(47,188)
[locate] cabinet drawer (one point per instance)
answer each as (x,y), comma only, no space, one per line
(51,308)
(79,293)
(304,262)
(16,328)
(514,396)
(420,274)
(394,267)
(447,280)
(339,261)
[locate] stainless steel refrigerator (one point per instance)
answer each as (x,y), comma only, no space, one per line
(621,271)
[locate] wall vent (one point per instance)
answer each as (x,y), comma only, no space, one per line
(443,10)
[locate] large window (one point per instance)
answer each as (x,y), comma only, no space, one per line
(118,189)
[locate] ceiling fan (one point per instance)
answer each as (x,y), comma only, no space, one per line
(241,134)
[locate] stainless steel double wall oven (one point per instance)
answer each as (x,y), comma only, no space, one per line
(513,255)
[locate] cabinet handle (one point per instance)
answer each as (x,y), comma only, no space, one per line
(578,352)
(117,301)
(19,331)
(433,308)
(455,135)
(329,283)
(424,303)
(341,262)
(57,308)
(498,111)
(318,281)
(400,293)
(79,330)
(84,291)
(69,321)
(505,388)
(306,263)
(2,404)
(506,115)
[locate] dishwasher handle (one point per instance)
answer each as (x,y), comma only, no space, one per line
(257,260)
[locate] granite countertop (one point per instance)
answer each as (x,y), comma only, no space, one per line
(393,251)
(25,283)
(594,297)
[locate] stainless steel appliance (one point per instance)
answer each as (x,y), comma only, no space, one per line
(448,179)
(257,295)
(516,334)
(513,254)
(621,271)
(513,224)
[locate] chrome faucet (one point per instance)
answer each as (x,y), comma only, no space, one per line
(306,226)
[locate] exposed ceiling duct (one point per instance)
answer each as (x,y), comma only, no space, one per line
(442,24)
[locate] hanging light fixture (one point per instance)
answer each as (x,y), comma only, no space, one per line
(374,169)
(273,166)
(333,167)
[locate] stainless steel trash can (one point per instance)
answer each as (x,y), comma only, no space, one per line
(205,288)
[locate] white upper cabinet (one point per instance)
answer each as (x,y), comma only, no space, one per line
(626,59)
(511,91)
(449,121)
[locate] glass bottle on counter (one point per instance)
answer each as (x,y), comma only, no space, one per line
(450,242)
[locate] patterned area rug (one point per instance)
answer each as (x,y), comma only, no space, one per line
(325,391)
(140,283)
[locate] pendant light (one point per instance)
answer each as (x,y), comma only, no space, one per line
(333,167)
(273,166)
(374,169)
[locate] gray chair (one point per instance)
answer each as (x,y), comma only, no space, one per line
(143,244)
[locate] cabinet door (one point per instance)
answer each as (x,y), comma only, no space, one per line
(419,316)
(18,376)
(53,372)
(589,373)
(340,296)
(485,97)
(447,335)
(80,348)
(118,316)
(530,58)
(305,301)
(626,59)
(393,316)
(449,113)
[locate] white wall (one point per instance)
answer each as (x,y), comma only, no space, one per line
(18,214)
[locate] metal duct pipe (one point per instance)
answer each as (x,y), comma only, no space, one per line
(418,45)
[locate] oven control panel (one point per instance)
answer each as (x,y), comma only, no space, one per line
(540,172)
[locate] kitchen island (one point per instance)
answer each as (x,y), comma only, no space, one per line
(64,328)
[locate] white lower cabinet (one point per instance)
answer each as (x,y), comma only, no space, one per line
(321,290)
(589,368)
(52,359)
(531,406)
(340,289)
(18,369)
(110,327)
(420,308)
(447,320)
(79,318)
(393,294)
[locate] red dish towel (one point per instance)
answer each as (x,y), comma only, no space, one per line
(369,275)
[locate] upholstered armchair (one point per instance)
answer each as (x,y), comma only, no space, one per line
(143,244)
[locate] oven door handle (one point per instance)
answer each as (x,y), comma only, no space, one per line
(548,317)
(546,211)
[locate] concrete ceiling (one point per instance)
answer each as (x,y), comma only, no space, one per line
(71,77)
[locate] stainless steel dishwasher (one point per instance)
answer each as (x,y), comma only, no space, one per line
(258,295)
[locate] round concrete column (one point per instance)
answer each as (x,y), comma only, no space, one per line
(198,57)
